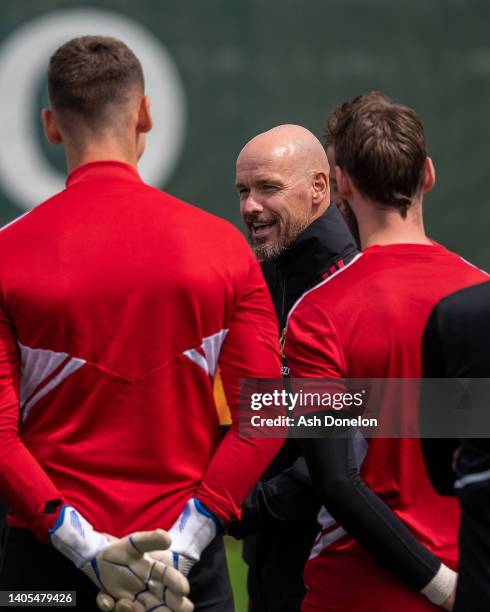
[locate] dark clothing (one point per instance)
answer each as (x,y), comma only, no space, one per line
(282,509)
(473,590)
(457,345)
(324,247)
(35,566)
(3,514)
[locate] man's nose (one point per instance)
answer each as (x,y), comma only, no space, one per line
(250,205)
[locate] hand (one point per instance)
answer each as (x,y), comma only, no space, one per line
(177,561)
(190,534)
(441,590)
(170,595)
(145,602)
(123,569)
(119,568)
(448,604)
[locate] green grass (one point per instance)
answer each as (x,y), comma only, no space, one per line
(238,573)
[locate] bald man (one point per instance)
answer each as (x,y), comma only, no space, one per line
(301,239)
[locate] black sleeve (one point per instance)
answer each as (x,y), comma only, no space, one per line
(289,496)
(363,514)
(436,405)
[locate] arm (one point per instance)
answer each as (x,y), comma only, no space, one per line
(24,485)
(363,514)
(314,350)
(251,350)
(116,568)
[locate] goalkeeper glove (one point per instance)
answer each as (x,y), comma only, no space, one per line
(121,569)
(190,534)
(174,588)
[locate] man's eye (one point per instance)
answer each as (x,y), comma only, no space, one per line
(270,187)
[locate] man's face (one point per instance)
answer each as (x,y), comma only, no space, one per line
(275,202)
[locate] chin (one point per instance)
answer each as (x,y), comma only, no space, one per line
(267,250)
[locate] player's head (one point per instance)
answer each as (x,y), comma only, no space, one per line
(282,180)
(96,91)
(381,155)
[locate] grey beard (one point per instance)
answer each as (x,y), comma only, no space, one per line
(264,252)
(268,251)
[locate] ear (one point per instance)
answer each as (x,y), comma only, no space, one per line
(145,120)
(430,176)
(320,188)
(50,125)
(344,183)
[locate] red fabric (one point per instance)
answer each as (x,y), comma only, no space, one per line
(127,278)
(361,585)
(367,321)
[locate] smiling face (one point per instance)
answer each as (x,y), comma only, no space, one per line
(274,204)
(279,194)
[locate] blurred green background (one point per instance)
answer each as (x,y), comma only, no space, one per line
(247,65)
(243,66)
(238,573)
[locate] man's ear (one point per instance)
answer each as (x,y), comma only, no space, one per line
(145,120)
(50,125)
(344,183)
(319,187)
(430,175)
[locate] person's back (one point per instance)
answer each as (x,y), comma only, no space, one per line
(122,297)
(378,307)
(367,321)
(118,302)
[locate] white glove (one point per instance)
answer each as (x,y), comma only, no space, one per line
(121,568)
(190,534)
(174,588)
(145,601)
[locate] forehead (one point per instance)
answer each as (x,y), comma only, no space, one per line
(256,167)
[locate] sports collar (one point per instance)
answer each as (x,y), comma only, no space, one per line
(100,169)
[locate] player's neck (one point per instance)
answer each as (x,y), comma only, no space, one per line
(108,151)
(381,226)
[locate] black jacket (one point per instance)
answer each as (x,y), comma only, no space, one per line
(320,250)
(282,508)
(456,345)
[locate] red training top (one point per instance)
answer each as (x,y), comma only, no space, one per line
(367,321)
(117,304)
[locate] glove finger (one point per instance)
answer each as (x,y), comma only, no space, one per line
(146,541)
(105,602)
(125,605)
(178,603)
(170,578)
(165,556)
(150,602)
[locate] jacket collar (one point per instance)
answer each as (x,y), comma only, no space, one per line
(323,244)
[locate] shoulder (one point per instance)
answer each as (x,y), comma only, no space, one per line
(332,292)
(200,219)
(470,302)
(29,219)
